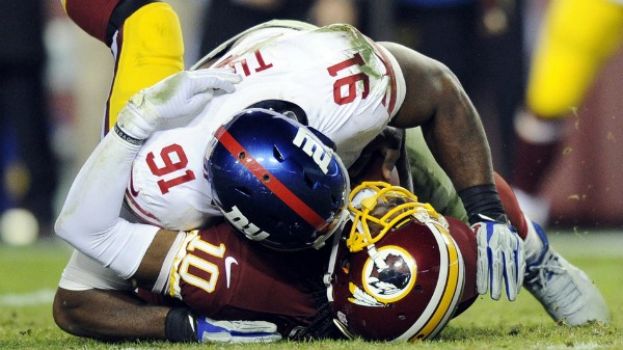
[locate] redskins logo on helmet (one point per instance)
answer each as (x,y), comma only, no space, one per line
(399,274)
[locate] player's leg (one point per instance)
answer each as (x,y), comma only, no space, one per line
(565,291)
(145,37)
(466,242)
(577,37)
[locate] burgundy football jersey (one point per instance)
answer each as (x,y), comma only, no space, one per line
(226,276)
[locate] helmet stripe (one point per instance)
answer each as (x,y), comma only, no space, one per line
(274,185)
(444,297)
(448,301)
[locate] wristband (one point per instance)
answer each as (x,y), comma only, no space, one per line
(179,326)
(127,137)
(482,200)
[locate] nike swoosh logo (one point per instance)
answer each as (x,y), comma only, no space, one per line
(132,190)
(229,261)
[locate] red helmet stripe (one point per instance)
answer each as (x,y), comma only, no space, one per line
(274,185)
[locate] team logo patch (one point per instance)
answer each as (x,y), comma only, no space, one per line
(390,276)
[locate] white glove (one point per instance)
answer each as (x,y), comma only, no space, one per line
(211,331)
(174,101)
(500,258)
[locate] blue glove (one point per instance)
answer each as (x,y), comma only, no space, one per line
(500,258)
(212,331)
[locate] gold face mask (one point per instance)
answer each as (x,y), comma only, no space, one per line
(377,207)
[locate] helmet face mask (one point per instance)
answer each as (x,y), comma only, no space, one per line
(399,274)
(276,181)
(377,207)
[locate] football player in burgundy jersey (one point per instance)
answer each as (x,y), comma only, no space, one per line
(362,89)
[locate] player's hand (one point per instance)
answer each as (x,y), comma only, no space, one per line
(211,331)
(500,258)
(174,101)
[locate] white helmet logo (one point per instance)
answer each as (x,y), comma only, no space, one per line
(239,221)
(313,148)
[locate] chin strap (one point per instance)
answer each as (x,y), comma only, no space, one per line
(329,275)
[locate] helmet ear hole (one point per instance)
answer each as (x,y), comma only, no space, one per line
(277,154)
(311,183)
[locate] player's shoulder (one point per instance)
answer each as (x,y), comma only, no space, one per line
(339,35)
(296,35)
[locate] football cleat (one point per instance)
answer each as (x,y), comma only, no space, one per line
(566,292)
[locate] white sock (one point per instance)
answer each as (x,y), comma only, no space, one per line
(533,246)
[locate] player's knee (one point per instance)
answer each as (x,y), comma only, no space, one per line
(66,312)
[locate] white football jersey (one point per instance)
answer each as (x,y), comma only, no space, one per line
(348,87)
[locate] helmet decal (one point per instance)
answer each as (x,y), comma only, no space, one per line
(447,291)
(270,181)
(362,298)
(239,221)
(321,155)
(390,274)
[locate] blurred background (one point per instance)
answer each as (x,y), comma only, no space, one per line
(55,80)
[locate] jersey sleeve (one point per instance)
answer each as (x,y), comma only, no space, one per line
(397,87)
(84,273)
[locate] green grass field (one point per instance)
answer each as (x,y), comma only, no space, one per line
(28,278)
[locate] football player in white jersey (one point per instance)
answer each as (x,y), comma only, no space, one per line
(340,83)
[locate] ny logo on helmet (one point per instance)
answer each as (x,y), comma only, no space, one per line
(305,140)
(236,218)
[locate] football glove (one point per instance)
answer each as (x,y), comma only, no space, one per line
(500,257)
(212,331)
(173,102)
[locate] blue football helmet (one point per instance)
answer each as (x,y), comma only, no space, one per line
(277,181)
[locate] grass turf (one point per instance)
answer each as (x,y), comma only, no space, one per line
(28,278)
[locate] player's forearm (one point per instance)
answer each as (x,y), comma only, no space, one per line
(457,138)
(108,315)
(436,101)
(90,219)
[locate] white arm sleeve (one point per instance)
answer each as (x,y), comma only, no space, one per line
(90,220)
(83,273)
